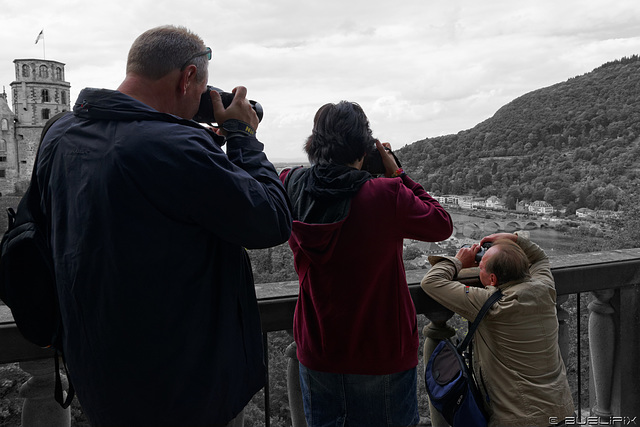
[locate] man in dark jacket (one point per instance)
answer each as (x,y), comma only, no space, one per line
(149,221)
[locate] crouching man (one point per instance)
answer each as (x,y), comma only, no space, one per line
(516,356)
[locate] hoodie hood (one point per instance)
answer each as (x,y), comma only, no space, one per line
(335,182)
(321,200)
(322,194)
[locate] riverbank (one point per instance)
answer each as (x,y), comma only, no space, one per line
(556,236)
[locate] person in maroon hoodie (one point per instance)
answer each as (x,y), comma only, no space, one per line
(355,324)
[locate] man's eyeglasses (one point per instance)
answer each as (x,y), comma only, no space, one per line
(206,52)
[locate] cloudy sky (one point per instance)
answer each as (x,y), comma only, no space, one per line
(419,68)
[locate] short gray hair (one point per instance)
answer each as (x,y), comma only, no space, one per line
(158,51)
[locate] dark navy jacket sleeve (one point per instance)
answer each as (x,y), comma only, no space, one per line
(237,196)
(247,153)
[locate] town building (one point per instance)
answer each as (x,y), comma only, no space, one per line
(469,202)
(38,93)
(447,200)
(541,207)
(585,213)
(494,202)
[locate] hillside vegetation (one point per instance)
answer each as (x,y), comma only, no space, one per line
(574,144)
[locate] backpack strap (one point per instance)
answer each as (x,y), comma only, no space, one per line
(58,387)
(57,354)
(473,326)
(32,193)
(51,121)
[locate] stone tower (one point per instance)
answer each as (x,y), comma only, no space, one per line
(38,93)
(8,147)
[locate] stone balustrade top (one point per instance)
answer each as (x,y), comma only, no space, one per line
(5,314)
(573,273)
(621,260)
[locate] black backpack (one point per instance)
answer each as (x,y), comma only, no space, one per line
(27,278)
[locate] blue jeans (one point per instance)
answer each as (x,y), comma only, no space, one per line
(345,400)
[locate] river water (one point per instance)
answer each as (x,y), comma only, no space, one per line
(552,241)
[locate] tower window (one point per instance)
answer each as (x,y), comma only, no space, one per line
(58,73)
(44,72)
(45,114)
(63,97)
(4,125)
(45,95)
(25,70)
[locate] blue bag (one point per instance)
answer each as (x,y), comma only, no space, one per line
(450,382)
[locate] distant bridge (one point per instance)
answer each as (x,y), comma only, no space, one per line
(491,226)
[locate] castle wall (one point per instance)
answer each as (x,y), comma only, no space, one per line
(8,148)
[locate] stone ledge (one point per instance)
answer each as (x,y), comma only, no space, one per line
(5,314)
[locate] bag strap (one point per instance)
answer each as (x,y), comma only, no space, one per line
(57,354)
(51,121)
(31,197)
(58,387)
(473,326)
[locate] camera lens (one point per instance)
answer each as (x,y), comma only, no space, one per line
(481,252)
(205,110)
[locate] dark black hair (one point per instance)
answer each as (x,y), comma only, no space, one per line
(341,134)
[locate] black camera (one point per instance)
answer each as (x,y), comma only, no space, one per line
(483,249)
(373,161)
(205,111)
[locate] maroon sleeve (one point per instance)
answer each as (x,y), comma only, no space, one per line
(419,215)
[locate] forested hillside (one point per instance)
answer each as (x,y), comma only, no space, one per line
(574,144)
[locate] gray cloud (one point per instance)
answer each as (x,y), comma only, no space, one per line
(419,68)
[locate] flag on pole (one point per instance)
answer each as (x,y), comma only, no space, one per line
(40,36)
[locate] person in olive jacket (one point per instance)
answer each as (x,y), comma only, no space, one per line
(516,355)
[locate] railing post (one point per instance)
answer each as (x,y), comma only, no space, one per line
(40,408)
(267,385)
(626,394)
(601,347)
(563,328)
(293,387)
(435,332)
